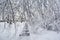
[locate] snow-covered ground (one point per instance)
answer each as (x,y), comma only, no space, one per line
(8,33)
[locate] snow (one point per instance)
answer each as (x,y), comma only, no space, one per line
(42,18)
(8,33)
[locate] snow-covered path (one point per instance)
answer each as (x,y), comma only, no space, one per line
(48,35)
